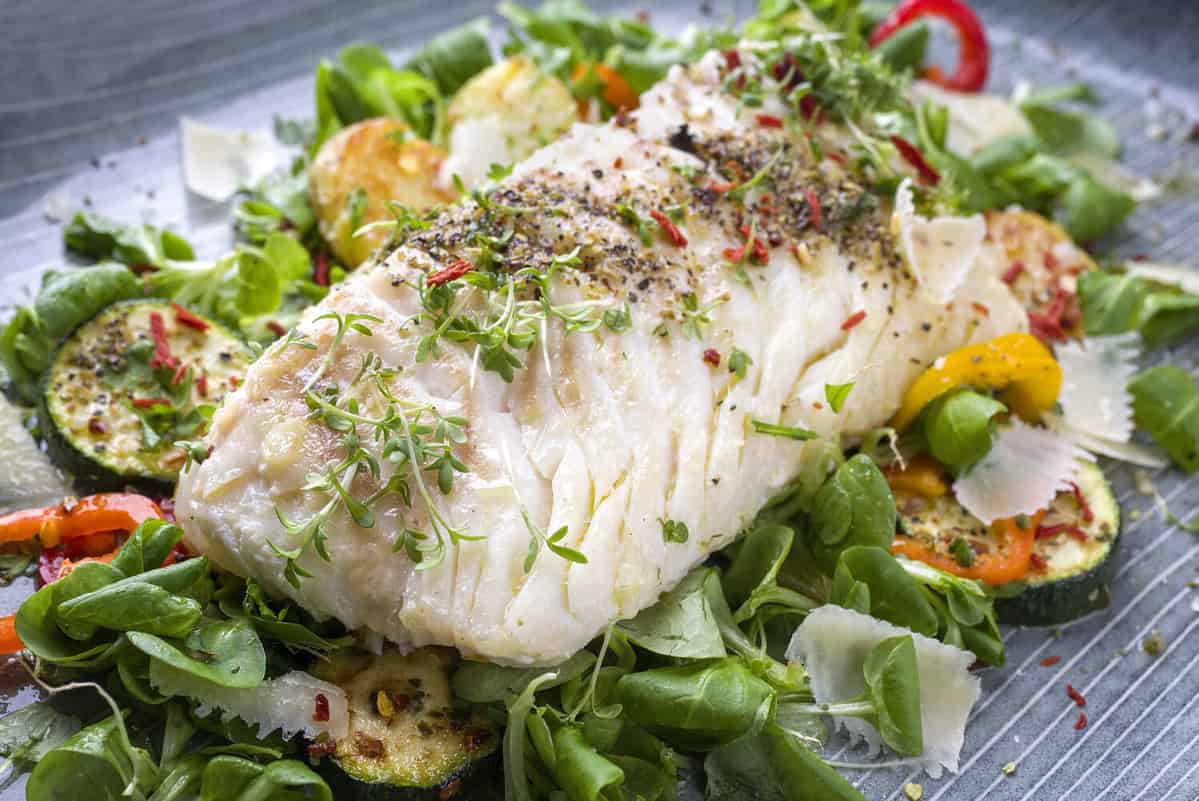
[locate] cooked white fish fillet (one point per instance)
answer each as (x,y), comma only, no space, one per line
(608,434)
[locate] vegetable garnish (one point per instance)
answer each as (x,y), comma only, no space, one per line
(95,513)
(974,52)
(670,229)
(1018,366)
(1009,561)
(912,155)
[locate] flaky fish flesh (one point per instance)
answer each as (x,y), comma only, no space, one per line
(754,271)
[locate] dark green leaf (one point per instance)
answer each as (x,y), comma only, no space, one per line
(226,652)
(96,762)
(1068,133)
(958,426)
(73,297)
(30,732)
(891,593)
(486,682)
(905,49)
(698,705)
(452,58)
(681,624)
(853,507)
(148,547)
(772,766)
(893,682)
(581,770)
(1165,404)
(1089,209)
(100,238)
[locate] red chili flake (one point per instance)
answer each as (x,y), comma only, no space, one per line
(49,565)
(721,187)
(736,169)
(320,273)
(180,372)
(276,328)
(1087,514)
(1050,661)
(322,749)
(759,252)
(814,207)
(1075,695)
(787,68)
(320,708)
(981,309)
(202,385)
(1044,532)
(909,153)
(146,403)
(817,405)
(184,317)
(617,163)
(454,271)
(234,381)
(1050,260)
(672,231)
(852,320)
(1012,273)
(732,59)
(96,426)
(1081,723)
(1038,564)
(1049,325)
(162,349)
(839,158)
(770,121)
(712,357)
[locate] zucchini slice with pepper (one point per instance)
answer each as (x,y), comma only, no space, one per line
(1072,558)
(128,384)
(407,740)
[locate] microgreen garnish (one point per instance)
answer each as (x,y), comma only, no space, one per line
(674,530)
(836,394)
(776,430)
(739,362)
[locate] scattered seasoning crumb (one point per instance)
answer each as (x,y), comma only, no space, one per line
(1009,769)
(1081,723)
(913,791)
(320,711)
(1050,661)
(1075,695)
(1154,644)
(852,320)
(1144,482)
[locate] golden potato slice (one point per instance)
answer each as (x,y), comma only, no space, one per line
(1042,266)
(371,156)
(502,115)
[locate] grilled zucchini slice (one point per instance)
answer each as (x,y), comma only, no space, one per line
(1073,560)
(406,740)
(115,411)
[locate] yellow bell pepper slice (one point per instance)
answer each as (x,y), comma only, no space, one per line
(1016,366)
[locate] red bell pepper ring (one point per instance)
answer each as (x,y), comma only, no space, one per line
(974,54)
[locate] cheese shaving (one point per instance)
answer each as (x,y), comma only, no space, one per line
(1095,376)
(1025,468)
(1131,452)
(940,251)
(1175,275)
(217,162)
(832,643)
(287,703)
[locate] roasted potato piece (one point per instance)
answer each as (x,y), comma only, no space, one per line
(371,156)
(1041,266)
(502,115)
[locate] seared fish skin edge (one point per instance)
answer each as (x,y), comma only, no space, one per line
(606,433)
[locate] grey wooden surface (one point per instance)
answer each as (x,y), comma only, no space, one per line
(89,107)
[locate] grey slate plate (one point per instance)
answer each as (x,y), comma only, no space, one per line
(88,112)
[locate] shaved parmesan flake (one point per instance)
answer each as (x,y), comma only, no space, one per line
(1095,376)
(287,702)
(940,251)
(1175,275)
(219,161)
(1025,468)
(1131,452)
(832,643)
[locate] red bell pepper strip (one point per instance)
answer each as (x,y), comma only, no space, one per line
(111,511)
(974,54)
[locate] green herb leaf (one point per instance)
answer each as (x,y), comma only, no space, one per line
(853,507)
(836,395)
(618,319)
(31,732)
(681,624)
(893,683)
(232,655)
(871,581)
(100,238)
(674,530)
(95,762)
(958,427)
(739,362)
(773,765)
(1165,403)
(777,430)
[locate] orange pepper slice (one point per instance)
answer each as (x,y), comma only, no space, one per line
(617,92)
(10,643)
(922,476)
(1009,561)
(110,511)
(1016,365)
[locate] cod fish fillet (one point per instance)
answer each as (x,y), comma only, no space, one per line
(612,435)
